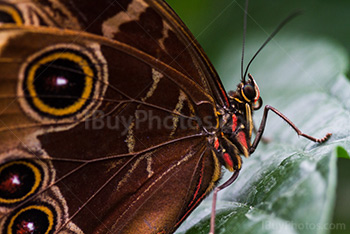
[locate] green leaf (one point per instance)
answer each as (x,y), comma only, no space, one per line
(303,76)
(341,153)
(288,185)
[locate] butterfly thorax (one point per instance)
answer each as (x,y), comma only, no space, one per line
(236,125)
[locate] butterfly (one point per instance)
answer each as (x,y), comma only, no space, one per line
(113,119)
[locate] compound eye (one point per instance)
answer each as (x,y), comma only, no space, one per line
(258,104)
(248,92)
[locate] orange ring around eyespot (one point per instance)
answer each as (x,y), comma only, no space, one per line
(37,177)
(83,64)
(13,12)
(46,210)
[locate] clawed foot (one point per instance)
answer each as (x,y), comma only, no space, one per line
(328,135)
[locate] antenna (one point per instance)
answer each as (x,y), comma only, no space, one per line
(244,36)
(279,27)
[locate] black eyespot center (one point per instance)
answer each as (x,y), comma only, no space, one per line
(5,17)
(59,83)
(18,181)
(32,219)
(10,15)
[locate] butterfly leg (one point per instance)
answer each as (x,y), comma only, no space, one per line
(263,123)
(264,139)
(216,190)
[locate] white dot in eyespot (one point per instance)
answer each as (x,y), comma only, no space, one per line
(61,81)
(15,180)
(30,226)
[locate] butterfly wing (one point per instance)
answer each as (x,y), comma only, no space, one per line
(93,173)
(103,166)
(148,25)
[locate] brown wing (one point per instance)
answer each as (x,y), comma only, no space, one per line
(94,173)
(148,25)
(102,165)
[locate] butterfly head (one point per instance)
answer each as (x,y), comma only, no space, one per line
(247,92)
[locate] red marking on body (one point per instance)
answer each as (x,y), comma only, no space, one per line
(228,160)
(216,143)
(198,185)
(10,184)
(234,123)
(225,95)
(242,139)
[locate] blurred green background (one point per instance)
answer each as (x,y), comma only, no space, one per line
(216,24)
